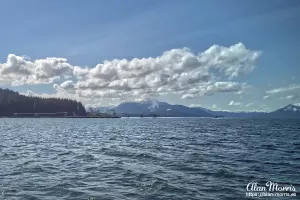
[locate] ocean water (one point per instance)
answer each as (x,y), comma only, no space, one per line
(148,158)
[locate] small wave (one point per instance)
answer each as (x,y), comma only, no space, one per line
(8,155)
(86,157)
(61,190)
(152,186)
(147,156)
(34,169)
(65,153)
(224,173)
(119,153)
(296,145)
(246,160)
(27,162)
(268,147)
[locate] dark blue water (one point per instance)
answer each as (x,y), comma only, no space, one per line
(183,158)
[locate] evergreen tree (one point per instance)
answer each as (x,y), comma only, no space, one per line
(12,102)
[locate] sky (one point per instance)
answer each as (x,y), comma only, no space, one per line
(222,55)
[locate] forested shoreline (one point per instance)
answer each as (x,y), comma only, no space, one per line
(12,102)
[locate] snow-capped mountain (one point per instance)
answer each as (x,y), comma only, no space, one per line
(289,111)
(149,107)
(292,107)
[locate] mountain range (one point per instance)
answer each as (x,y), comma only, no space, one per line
(289,111)
(152,107)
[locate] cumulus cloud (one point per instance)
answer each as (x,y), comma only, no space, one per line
(17,70)
(67,85)
(233,103)
(233,60)
(177,71)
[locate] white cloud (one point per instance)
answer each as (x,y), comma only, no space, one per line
(67,85)
(289,88)
(290,92)
(215,107)
(177,71)
(265,108)
(79,72)
(290,97)
(295,96)
(100,105)
(226,87)
(43,95)
(29,93)
(195,105)
(249,104)
(187,96)
(233,60)
(17,70)
(233,103)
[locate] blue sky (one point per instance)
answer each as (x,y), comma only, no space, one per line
(87,33)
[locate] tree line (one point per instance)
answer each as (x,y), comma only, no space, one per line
(12,102)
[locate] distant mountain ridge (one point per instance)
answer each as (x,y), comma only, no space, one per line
(289,111)
(240,114)
(151,107)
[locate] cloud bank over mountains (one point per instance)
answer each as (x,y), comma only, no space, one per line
(177,71)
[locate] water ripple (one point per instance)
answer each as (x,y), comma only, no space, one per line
(144,158)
